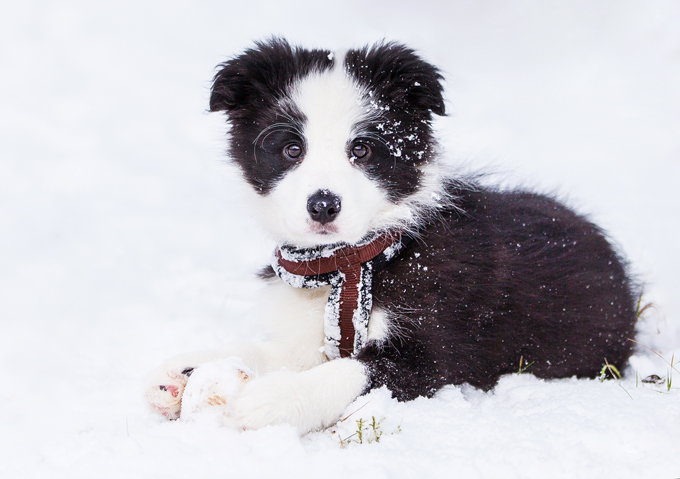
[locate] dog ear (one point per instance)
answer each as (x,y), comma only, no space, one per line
(246,78)
(231,87)
(400,76)
(262,74)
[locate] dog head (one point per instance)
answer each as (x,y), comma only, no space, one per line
(336,146)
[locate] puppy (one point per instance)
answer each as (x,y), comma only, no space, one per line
(388,271)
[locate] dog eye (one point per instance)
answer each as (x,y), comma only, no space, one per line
(360,151)
(292,151)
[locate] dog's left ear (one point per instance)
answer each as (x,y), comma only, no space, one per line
(401,77)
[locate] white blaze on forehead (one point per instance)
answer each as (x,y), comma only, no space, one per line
(333,105)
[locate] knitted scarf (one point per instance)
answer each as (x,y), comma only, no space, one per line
(348,269)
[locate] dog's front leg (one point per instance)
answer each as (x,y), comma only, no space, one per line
(165,384)
(308,400)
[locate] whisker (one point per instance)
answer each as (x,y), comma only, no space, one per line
(259,139)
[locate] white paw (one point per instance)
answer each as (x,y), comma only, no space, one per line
(165,386)
(213,388)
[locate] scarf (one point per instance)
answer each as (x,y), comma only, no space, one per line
(348,269)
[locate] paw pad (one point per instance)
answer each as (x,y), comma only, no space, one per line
(171,389)
(164,391)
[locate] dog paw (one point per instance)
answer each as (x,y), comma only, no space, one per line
(212,389)
(165,387)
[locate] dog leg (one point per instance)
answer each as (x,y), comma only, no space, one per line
(295,320)
(308,400)
(165,384)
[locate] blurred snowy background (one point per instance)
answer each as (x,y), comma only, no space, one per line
(123,242)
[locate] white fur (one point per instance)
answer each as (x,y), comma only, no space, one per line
(289,373)
(378,325)
(292,382)
(308,400)
(427,200)
(333,104)
(213,388)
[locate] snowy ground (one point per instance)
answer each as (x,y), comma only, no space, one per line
(122,241)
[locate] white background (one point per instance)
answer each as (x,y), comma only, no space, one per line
(123,240)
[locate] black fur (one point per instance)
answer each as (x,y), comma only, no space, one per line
(517,275)
(496,277)
(248,88)
(406,90)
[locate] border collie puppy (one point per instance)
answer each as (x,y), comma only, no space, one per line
(389,272)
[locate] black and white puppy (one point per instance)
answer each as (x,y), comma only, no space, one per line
(468,282)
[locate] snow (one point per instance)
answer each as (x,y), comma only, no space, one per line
(123,240)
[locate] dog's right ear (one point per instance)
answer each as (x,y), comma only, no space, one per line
(230,87)
(241,79)
(262,74)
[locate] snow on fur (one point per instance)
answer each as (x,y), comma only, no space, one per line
(336,280)
(119,250)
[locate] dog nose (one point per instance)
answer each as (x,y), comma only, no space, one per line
(323,206)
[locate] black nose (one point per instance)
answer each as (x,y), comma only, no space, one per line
(323,206)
